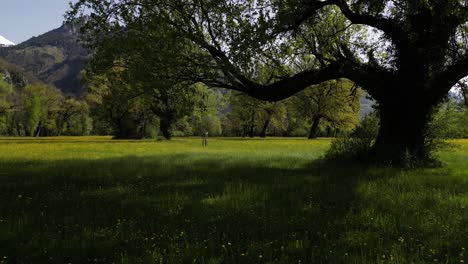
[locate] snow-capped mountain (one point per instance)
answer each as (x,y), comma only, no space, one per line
(5,42)
(55,57)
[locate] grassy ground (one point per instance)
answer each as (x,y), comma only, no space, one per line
(93,200)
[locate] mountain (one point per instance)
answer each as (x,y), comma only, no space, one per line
(5,42)
(16,75)
(56,58)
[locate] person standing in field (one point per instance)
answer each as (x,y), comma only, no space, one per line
(205,139)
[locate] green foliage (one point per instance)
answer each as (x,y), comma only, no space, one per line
(247,115)
(449,120)
(32,105)
(6,90)
(75,118)
(336,103)
(116,107)
(206,116)
(135,81)
(39,110)
(358,143)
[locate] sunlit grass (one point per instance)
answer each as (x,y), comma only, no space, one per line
(92,199)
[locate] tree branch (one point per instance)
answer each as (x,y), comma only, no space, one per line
(388,26)
(443,82)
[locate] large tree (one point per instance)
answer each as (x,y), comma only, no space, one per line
(407,54)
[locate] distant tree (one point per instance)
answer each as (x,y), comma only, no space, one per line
(208,111)
(250,116)
(6,91)
(171,104)
(52,103)
(450,119)
(141,81)
(73,118)
(116,103)
(288,121)
(31,109)
(336,102)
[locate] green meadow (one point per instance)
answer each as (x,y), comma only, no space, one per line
(96,200)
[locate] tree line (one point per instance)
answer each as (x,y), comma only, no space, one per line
(38,110)
(115,105)
(112,107)
(126,110)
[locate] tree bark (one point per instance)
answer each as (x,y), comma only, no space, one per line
(265,126)
(37,132)
(403,132)
(252,125)
(464,91)
(314,128)
(165,124)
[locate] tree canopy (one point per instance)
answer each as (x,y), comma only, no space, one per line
(407,54)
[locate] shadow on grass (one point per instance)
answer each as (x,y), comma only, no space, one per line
(180,209)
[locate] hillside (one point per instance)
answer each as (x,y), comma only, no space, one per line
(16,75)
(55,58)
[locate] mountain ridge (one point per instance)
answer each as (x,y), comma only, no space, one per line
(55,57)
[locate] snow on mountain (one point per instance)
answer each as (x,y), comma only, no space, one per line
(5,42)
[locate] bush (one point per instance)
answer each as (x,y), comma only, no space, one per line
(449,120)
(358,143)
(299,132)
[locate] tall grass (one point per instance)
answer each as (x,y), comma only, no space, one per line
(94,200)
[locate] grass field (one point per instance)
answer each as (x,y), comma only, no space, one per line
(94,200)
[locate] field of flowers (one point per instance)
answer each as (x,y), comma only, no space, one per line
(96,200)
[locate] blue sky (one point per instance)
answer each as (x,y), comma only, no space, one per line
(23,19)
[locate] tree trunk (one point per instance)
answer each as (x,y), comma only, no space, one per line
(37,132)
(265,127)
(165,127)
(465,95)
(314,127)
(403,132)
(165,124)
(252,125)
